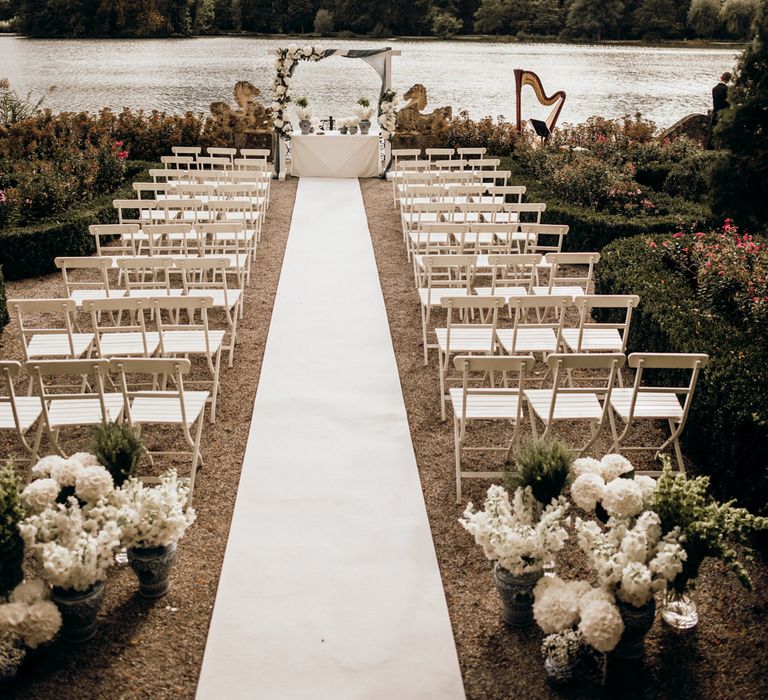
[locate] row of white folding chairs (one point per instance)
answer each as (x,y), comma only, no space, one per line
(459,194)
(88,403)
(164,190)
(402,154)
(196,152)
(225,161)
(446,177)
(512,276)
(224,239)
(257,175)
(596,399)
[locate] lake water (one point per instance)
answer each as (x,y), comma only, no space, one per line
(176,75)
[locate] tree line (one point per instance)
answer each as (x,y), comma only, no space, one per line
(566,19)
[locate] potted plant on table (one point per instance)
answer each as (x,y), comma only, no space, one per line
(73,530)
(518,542)
(364,112)
(708,529)
(305,114)
(155,521)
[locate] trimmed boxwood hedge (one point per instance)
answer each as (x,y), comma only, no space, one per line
(30,251)
(727,431)
(3,306)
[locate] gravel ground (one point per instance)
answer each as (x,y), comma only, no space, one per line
(725,657)
(147,649)
(154,649)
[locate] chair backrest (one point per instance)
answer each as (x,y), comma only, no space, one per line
(125,315)
(172,239)
(543,238)
(255,153)
(142,207)
(178,161)
(486,308)
(62,311)
(526,209)
(433,153)
(222,152)
(168,317)
(448,163)
(98,265)
(617,302)
(483,163)
(469,211)
(255,165)
(506,193)
(469,151)
(513,269)
(448,272)
(194,191)
(153,190)
(186,150)
(127,234)
(573,264)
(214,163)
(429,237)
(146,273)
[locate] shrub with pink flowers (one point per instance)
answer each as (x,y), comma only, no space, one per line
(727,268)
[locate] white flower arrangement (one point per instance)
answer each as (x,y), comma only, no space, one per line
(154,516)
(30,616)
(362,112)
(604,482)
(572,613)
(74,539)
(632,562)
(388,113)
(285,63)
(304,113)
(509,533)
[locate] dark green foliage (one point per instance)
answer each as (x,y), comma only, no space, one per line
(740,179)
(11,544)
(544,465)
(690,177)
(727,430)
(3,306)
(30,251)
(119,449)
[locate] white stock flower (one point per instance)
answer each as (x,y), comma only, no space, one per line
(85,459)
(635,586)
(586,465)
(647,485)
(29,592)
(66,472)
(46,464)
(40,494)
(587,489)
(622,498)
(614,465)
(320,50)
(601,625)
(93,483)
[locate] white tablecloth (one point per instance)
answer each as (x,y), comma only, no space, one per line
(335,155)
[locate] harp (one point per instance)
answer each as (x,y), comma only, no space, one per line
(527,77)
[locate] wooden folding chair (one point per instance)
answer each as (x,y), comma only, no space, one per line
(179,239)
(58,341)
(148,276)
(512,274)
(537,324)
(153,190)
(125,335)
(483,163)
(566,402)
(94,285)
(255,153)
(564,277)
(230,240)
(182,339)
(446,276)
(516,212)
(160,405)
(434,154)
(193,151)
(601,336)
(88,406)
(432,238)
(178,161)
(470,329)
(222,152)
(643,402)
(497,402)
(19,413)
(502,194)
(469,152)
(122,239)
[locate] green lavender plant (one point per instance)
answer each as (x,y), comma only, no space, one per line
(301,102)
(708,528)
(11,544)
(364,102)
(544,465)
(119,449)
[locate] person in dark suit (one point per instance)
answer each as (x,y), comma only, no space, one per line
(719,101)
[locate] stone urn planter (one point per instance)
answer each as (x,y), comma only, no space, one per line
(79,610)
(152,566)
(516,594)
(353,129)
(305,125)
(342,129)
(637,624)
(365,126)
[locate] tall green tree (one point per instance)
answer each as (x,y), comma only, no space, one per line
(656,19)
(737,17)
(491,17)
(740,179)
(704,17)
(204,16)
(594,19)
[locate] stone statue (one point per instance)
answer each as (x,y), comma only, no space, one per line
(410,117)
(249,123)
(694,126)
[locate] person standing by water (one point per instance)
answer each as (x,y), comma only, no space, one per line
(719,101)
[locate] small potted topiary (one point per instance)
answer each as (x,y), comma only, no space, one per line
(544,465)
(118,448)
(305,114)
(364,111)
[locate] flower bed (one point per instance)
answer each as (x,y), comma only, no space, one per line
(727,430)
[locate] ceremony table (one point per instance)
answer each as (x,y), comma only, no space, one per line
(332,154)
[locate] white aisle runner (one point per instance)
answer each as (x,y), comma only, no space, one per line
(330,587)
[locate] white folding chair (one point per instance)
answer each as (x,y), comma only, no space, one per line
(470,329)
(57,341)
(122,239)
(19,413)
(475,402)
(230,240)
(446,276)
(178,161)
(537,325)
(148,276)
(182,339)
(434,154)
(469,152)
(569,273)
(601,336)
(653,402)
(126,333)
(222,152)
(193,151)
(566,402)
(87,278)
(86,407)
(160,405)
(512,274)
(155,190)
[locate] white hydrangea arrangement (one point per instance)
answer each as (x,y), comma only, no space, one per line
(606,482)
(509,533)
(29,616)
(71,526)
(362,109)
(154,516)
(388,113)
(572,614)
(285,63)
(632,560)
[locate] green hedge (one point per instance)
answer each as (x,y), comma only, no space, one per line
(31,250)
(727,431)
(3,307)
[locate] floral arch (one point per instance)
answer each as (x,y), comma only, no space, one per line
(286,61)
